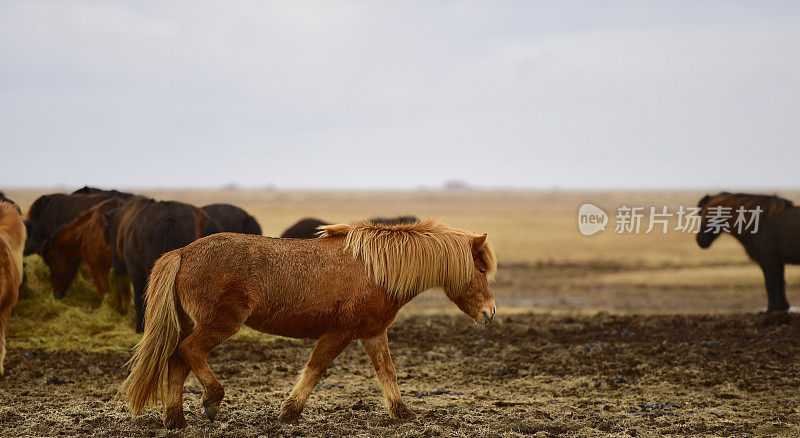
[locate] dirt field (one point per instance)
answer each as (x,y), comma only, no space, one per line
(530,373)
(604,335)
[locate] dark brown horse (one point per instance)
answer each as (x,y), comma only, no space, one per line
(309,228)
(87,190)
(347,285)
(233,219)
(775,242)
(142,229)
(84,239)
(306,228)
(49,212)
(12,243)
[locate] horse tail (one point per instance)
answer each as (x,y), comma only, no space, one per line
(149,363)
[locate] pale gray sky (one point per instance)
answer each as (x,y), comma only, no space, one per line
(400,94)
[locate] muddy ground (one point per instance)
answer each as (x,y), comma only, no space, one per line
(526,374)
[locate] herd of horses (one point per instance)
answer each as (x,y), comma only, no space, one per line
(198,275)
(108,228)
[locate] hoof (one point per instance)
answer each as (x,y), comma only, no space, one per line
(290,413)
(175,421)
(211,413)
(776,318)
(400,412)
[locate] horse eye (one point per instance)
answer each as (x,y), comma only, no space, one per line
(482,271)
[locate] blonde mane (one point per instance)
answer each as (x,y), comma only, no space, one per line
(409,258)
(12,233)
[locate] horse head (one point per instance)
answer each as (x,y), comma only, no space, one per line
(476,299)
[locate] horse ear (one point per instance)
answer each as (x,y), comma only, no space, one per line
(478,242)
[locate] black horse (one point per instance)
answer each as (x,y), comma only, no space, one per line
(307,228)
(231,218)
(142,229)
(775,242)
(49,212)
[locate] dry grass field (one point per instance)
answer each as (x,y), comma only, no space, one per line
(625,335)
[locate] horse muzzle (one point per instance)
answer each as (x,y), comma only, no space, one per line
(487,318)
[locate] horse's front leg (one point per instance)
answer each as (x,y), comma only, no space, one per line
(328,347)
(100,275)
(377,348)
(776,286)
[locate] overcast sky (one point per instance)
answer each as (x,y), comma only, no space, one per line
(400,94)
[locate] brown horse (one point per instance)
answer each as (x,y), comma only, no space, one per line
(84,239)
(775,243)
(12,244)
(347,285)
(49,212)
(142,229)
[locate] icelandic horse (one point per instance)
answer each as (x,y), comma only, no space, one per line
(232,219)
(141,230)
(348,284)
(772,244)
(12,245)
(49,212)
(84,239)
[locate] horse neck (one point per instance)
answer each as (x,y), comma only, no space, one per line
(70,236)
(749,241)
(94,231)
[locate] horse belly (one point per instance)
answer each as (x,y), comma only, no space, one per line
(310,312)
(290,323)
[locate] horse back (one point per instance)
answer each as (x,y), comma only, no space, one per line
(296,288)
(778,237)
(49,212)
(233,219)
(305,228)
(157,228)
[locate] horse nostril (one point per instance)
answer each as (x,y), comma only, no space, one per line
(494,311)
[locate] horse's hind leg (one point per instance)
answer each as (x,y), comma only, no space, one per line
(177,372)
(139,281)
(223,322)
(328,347)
